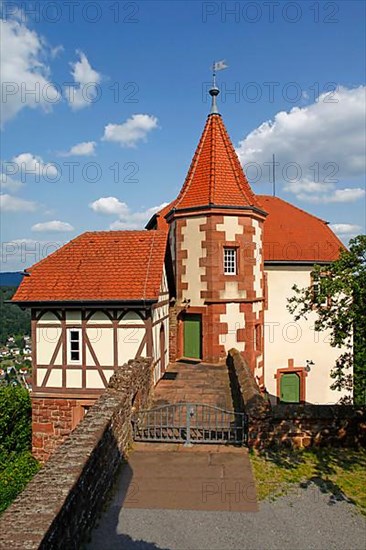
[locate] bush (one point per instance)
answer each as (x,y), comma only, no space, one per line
(17,466)
(15,420)
(19,469)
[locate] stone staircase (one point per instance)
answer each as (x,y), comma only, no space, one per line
(194,383)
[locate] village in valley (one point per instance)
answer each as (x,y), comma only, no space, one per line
(16,361)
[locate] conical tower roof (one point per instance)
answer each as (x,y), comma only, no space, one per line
(215,177)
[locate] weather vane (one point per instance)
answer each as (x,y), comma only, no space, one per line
(218,66)
(214,91)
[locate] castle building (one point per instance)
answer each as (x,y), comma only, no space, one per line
(212,271)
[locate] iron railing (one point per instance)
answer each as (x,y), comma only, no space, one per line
(190,423)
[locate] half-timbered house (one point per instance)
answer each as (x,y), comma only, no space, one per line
(213,270)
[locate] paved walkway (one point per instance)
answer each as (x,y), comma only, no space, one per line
(173,477)
(195,383)
(306,519)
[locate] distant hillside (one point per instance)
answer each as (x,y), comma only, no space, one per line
(11,278)
(13,320)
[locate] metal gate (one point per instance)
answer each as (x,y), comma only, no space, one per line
(190,423)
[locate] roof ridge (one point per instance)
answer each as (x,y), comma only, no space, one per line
(192,168)
(148,264)
(297,208)
(227,144)
(211,191)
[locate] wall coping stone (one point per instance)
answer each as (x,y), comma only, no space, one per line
(60,504)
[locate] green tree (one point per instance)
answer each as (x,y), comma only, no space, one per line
(17,466)
(14,320)
(338,296)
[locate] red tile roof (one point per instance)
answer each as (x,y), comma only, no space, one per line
(215,176)
(291,234)
(158,221)
(99,266)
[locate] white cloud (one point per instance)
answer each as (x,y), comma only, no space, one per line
(57,50)
(326,140)
(6,182)
(54,226)
(348,194)
(130,132)
(25,76)
(85,91)
(345,228)
(84,149)
(30,164)
(126,218)
(9,203)
(109,205)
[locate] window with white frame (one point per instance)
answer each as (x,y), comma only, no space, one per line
(318,294)
(230,261)
(74,345)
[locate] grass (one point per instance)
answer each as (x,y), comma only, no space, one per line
(341,472)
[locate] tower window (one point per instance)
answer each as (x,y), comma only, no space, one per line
(74,345)
(230,261)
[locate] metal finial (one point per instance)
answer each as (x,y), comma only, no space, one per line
(214,91)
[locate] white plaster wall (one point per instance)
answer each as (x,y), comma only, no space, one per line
(47,338)
(73,378)
(172,231)
(231,228)
(93,379)
(55,379)
(101,340)
(129,340)
(41,373)
(284,339)
(235,320)
(257,308)
(192,242)
(161,314)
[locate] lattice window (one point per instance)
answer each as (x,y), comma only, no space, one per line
(74,345)
(230,261)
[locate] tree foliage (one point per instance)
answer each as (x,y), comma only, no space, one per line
(17,466)
(14,321)
(338,297)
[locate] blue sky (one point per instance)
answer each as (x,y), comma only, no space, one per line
(158,55)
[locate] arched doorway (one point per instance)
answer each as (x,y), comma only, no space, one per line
(162,350)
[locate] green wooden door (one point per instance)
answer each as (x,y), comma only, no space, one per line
(192,336)
(290,388)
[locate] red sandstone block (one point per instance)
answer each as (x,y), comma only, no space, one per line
(37,441)
(42,428)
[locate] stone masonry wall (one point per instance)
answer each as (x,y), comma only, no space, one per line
(173,332)
(52,422)
(294,425)
(60,505)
